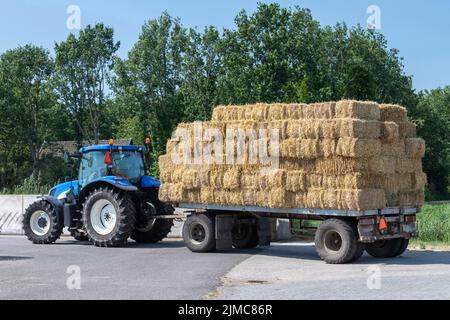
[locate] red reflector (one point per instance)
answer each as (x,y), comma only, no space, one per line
(108,159)
(410,218)
(118,179)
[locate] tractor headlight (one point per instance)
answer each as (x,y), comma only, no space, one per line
(63,195)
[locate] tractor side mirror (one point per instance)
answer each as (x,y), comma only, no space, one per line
(66,158)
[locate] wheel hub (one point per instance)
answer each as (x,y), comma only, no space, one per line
(332,241)
(198,233)
(103,217)
(40,222)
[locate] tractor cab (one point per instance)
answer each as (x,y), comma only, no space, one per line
(112,200)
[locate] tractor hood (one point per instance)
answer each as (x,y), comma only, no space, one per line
(60,188)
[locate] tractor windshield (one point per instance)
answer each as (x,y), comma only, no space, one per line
(127,164)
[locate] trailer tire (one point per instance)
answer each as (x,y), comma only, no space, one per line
(337,242)
(160,229)
(41,223)
(199,233)
(403,247)
(247,238)
(108,217)
(385,248)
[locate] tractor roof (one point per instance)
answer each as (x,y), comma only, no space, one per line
(106,147)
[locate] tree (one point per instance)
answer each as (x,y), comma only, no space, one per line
(83,66)
(200,70)
(433,118)
(147,83)
(30,114)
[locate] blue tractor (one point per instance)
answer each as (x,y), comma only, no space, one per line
(112,200)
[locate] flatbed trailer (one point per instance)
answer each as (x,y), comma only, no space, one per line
(342,237)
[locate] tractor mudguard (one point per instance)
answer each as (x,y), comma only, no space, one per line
(117,182)
(56,204)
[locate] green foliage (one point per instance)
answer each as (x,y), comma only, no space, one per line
(433,223)
(83,66)
(432,115)
(29,186)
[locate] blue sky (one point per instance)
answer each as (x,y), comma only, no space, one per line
(419,29)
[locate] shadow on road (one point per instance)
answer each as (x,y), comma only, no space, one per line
(308,252)
(14,258)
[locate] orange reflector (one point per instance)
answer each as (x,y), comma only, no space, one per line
(148,141)
(111,142)
(383,224)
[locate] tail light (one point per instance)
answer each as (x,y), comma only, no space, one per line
(108,159)
(410,219)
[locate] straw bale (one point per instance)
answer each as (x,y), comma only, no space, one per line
(298,164)
(314,181)
(396,182)
(389,131)
(216,178)
(207,195)
(407,165)
(303,129)
(294,111)
(411,198)
(358,148)
(276,112)
(281,126)
(232,179)
(218,113)
(190,180)
(262,198)
(415,148)
(357,110)
(192,196)
(173,192)
(407,130)
(356,128)
(327,147)
(165,163)
(418,181)
(278,198)
(220,196)
(295,181)
(315,198)
(249,179)
(249,197)
(391,198)
(234,198)
(260,112)
(393,112)
(325,110)
(363,199)
(396,148)
(296,199)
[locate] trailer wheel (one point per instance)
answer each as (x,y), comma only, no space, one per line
(337,242)
(41,223)
(245,236)
(199,233)
(403,247)
(385,248)
(156,229)
(108,217)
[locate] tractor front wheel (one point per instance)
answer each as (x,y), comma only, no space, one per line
(41,223)
(108,217)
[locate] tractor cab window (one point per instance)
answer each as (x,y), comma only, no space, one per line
(126,164)
(92,167)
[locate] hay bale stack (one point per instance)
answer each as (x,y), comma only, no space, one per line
(347,155)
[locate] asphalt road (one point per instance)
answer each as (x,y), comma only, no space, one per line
(293,271)
(170,271)
(162,271)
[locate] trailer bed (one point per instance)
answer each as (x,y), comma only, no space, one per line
(301,211)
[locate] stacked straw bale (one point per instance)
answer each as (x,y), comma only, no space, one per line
(347,155)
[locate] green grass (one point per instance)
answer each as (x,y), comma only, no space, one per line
(433,224)
(29,186)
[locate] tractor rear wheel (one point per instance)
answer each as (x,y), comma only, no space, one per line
(41,223)
(155,230)
(108,217)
